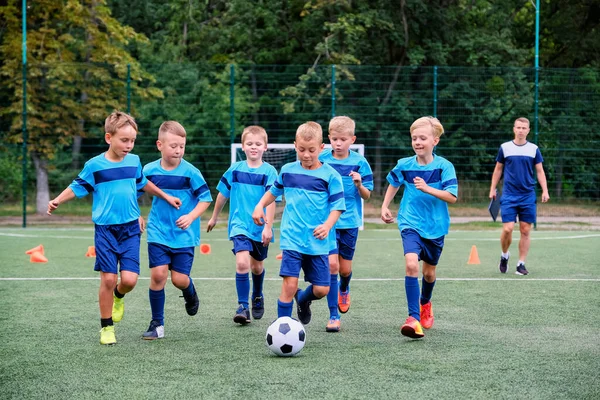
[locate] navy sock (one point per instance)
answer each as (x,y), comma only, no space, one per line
(190,290)
(345,282)
(284,309)
(332,297)
(426,291)
(157,305)
(411,284)
(118,295)
(307,295)
(257,284)
(104,322)
(242,285)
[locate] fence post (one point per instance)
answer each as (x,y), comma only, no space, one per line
(24,127)
(435,86)
(129,89)
(231,103)
(332,91)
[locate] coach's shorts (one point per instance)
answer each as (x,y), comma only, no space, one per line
(345,243)
(117,244)
(428,250)
(178,260)
(256,249)
(316,268)
(525,210)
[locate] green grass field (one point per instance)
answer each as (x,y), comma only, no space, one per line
(495,336)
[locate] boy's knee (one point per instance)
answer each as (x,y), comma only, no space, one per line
(334,267)
(129,281)
(180,281)
(242,267)
(320,291)
(159,277)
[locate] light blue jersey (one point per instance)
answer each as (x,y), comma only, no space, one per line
(310,195)
(185,182)
(420,211)
(114,187)
(244,187)
(519,165)
(352,217)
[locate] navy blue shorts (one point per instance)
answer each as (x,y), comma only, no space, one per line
(178,260)
(117,244)
(345,243)
(525,210)
(428,250)
(256,249)
(316,268)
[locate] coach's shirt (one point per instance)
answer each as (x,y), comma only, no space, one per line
(185,182)
(420,211)
(519,163)
(244,187)
(114,187)
(310,195)
(352,217)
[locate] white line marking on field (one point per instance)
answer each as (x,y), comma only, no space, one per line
(353,279)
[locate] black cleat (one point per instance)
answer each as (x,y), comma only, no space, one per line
(242,315)
(304,313)
(521,270)
(258,307)
(191,304)
(503,266)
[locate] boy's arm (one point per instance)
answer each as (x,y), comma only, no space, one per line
(495,179)
(362,191)
(186,220)
(541,177)
(322,231)
(386,214)
(259,214)
(267,233)
(219,204)
(152,189)
(65,196)
(444,195)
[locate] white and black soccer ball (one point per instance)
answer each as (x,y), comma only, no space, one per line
(286,337)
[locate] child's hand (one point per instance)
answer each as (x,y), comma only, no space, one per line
(545,197)
(142,223)
(258,215)
(493,194)
(52,205)
(356,178)
(211,224)
(386,215)
(174,201)
(420,184)
(321,232)
(267,235)
(184,221)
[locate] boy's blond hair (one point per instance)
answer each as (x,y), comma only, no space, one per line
(255,130)
(436,126)
(523,120)
(117,120)
(342,124)
(173,127)
(309,131)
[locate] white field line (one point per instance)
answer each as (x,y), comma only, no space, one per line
(353,280)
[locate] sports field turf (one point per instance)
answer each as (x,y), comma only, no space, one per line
(495,336)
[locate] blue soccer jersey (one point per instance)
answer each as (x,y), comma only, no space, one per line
(352,217)
(185,182)
(420,211)
(244,187)
(114,187)
(519,164)
(310,196)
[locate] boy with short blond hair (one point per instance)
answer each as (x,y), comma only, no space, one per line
(245,182)
(173,234)
(357,178)
(113,178)
(423,219)
(314,201)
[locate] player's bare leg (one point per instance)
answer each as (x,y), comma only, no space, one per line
(505,242)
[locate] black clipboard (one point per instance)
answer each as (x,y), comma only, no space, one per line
(494,207)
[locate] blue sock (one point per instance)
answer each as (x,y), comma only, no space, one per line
(157,304)
(332,298)
(242,285)
(345,282)
(426,291)
(284,309)
(190,290)
(411,284)
(307,295)
(257,284)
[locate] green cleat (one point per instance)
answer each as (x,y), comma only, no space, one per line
(118,308)
(107,335)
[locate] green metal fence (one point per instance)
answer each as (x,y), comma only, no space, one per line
(477,107)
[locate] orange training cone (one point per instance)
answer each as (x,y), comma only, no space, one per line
(91,252)
(39,249)
(474,257)
(37,257)
(205,249)
(279,256)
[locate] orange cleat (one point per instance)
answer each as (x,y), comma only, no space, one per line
(333,325)
(344,301)
(412,328)
(426,315)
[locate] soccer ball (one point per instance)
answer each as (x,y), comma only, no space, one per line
(286,337)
